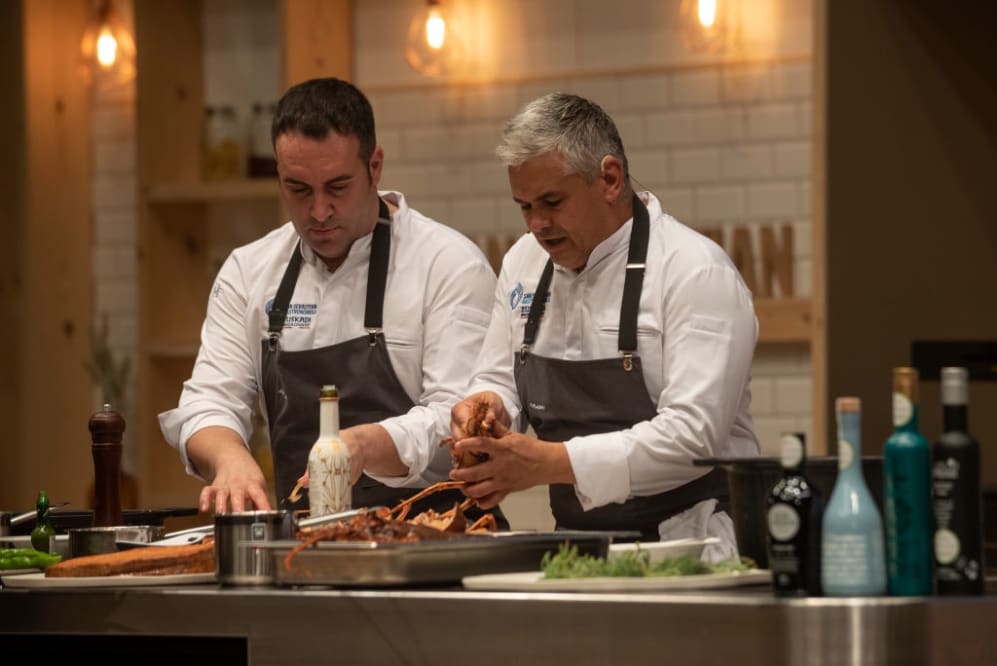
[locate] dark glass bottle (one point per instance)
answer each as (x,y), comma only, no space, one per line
(793,518)
(43,533)
(956,497)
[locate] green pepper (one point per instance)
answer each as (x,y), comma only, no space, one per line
(26,558)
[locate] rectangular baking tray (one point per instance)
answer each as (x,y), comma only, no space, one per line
(370,564)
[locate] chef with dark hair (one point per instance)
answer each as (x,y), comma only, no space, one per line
(359,290)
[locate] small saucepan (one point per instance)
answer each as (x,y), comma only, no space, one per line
(97,540)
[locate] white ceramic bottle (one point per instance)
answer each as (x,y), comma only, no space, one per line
(329,488)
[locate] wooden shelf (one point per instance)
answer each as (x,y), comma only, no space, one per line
(206,192)
(784,320)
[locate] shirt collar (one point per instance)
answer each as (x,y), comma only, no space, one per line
(360,250)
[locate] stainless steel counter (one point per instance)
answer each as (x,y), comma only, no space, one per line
(275,626)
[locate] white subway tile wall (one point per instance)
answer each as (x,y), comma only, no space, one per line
(722,144)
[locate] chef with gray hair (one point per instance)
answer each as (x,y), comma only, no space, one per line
(623,337)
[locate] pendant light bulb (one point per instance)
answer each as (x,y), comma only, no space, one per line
(432,48)
(707,12)
(107,50)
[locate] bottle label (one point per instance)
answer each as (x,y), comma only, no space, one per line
(792,451)
(947,547)
(845,560)
(903,410)
(784,522)
(845,454)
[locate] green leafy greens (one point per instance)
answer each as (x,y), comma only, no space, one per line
(568,563)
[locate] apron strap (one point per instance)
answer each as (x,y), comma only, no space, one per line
(278,310)
(377,273)
(633,283)
(377,278)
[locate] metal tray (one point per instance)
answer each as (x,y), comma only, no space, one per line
(362,563)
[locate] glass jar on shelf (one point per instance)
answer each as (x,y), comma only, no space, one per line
(261,163)
(223,144)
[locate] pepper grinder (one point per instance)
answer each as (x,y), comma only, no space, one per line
(106,428)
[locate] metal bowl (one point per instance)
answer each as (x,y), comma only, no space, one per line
(235,535)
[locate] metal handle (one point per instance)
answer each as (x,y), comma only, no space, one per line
(333,517)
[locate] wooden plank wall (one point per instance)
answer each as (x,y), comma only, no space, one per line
(55,290)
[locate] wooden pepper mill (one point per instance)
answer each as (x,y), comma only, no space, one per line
(106,428)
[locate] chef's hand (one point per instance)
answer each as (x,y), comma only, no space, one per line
(462,412)
(236,482)
(515,462)
(370,448)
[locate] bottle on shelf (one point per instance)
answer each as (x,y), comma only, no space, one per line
(852,559)
(43,534)
(262,163)
(329,488)
(223,144)
(907,493)
(793,517)
(956,497)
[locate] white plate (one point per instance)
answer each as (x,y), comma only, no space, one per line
(38,580)
(18,572)
(532,581)
(660,550)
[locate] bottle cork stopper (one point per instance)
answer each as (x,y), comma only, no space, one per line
(848,404)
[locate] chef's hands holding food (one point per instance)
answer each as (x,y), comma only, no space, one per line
(511,461)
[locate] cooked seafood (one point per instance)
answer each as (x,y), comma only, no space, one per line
(390,526)
(481,424)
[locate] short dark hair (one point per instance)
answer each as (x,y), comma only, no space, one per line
(319,106)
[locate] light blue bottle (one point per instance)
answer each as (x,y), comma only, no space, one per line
(852,558)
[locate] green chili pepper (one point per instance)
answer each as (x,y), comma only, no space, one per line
(26,558)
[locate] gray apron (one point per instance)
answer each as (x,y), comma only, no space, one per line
(565,399)
(361,369)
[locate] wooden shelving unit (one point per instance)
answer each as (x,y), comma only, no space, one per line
(176,211)
(784,320)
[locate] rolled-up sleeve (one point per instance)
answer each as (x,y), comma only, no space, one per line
(709,336)
(222,389)
(455,320)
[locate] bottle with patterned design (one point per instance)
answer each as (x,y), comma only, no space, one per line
(852,560)
(956,497)
(329,489)
(793,520)
(907,493)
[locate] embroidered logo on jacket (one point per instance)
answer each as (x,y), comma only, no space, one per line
(527,301)
(299,315)
(516,295)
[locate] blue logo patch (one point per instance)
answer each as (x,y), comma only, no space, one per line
(516,296)
(299,315)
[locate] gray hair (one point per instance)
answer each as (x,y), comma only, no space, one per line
(578,130)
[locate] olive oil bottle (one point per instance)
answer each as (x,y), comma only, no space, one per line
(956,497)
(907,493)
(793,519)
(329,489)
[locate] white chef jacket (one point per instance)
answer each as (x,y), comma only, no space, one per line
(696,333)
(436,308)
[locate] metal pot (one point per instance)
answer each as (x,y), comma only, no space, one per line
(749,481)
(97,540)
(236,534)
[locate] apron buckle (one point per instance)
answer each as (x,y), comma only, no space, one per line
(272,345)
(372,336)
(628,361)
(522,354)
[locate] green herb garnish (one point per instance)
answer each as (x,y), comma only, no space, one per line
(568,563)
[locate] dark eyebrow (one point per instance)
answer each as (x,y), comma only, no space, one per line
(333,181)
(543,195)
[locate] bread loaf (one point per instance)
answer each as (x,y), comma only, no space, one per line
(147,561)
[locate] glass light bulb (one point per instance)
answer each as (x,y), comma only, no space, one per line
(707,11)
(436,29)
(107,48)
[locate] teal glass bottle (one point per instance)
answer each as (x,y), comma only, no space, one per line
(907,494)
(852,558)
